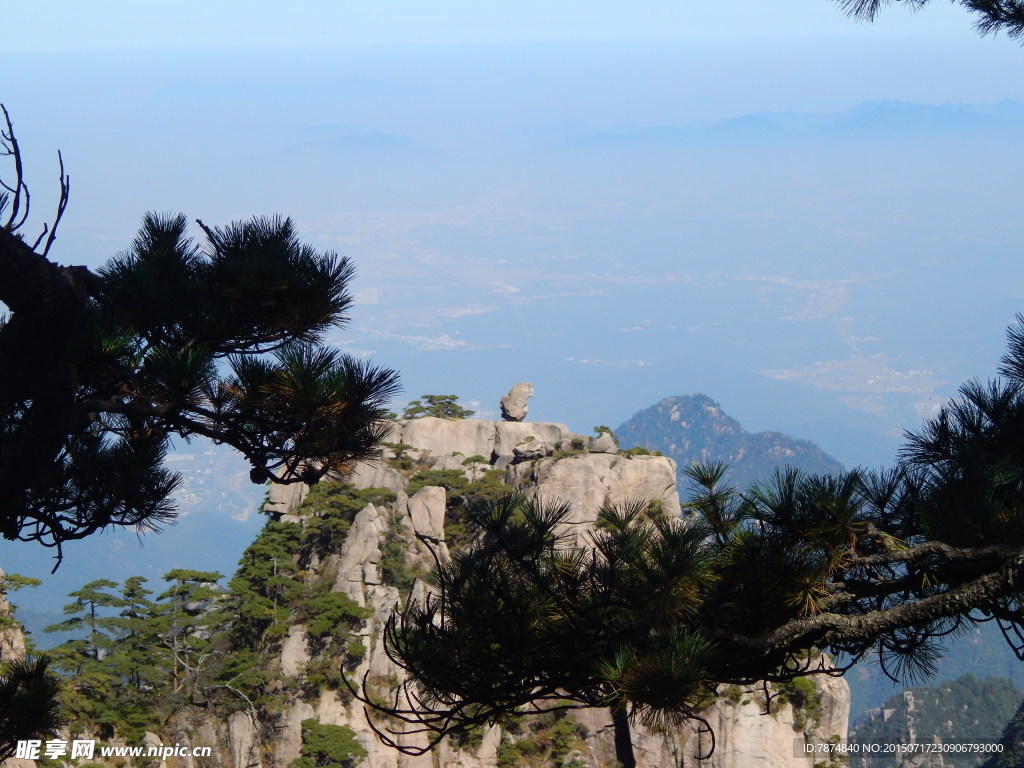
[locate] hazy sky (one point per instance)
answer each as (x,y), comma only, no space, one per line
(661,61)
(449,148)
(70,25)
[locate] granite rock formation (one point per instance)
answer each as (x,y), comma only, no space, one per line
(543,459)
(513,405)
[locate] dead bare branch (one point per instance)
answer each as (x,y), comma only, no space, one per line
(17,196)
(9,143)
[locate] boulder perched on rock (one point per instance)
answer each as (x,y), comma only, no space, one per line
(604,443)
(513,405)
(510,435)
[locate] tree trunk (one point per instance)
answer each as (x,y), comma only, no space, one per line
(623,740)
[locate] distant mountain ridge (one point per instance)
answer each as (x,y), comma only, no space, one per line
(968,708)
(879,118)
(689,428)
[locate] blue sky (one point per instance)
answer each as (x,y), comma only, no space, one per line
(478,159)
(739,57)
(69,25)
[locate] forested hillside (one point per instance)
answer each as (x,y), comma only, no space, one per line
(966,709)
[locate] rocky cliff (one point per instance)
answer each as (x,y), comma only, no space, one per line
(12,639)
(380,555)
(546,460)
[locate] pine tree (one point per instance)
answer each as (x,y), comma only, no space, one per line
(991,16)
(187,617)
(526,621)
(92,689)
(1011,742)
(12,582)
(139,662)
(28,703)
(327,746)
(135,658)
(222,339)
(90,612)
(438,406)
(265,585)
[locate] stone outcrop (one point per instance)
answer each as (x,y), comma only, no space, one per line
(426,510)
(358,568)
(835,706)
(295,651)
(445,444)
(592,480)
(377,475)
(604,443)
(442,437)
(284,499)
(12,638)
(244,748)
(541,459)
(513,405)
(495,442)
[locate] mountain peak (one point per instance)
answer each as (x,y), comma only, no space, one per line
(694,428)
